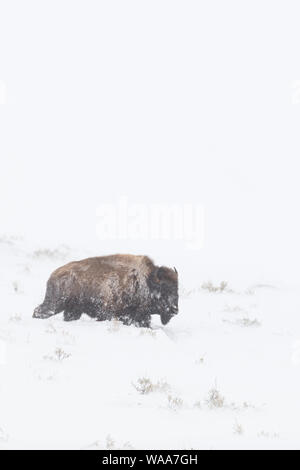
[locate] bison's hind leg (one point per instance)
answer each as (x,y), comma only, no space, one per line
(52,303)
(43,311)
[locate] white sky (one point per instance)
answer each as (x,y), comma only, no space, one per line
(160,101)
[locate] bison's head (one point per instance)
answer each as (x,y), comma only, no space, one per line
(164,293)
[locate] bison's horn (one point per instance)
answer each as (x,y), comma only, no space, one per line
(175,270)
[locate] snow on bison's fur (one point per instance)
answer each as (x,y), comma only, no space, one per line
(124,287)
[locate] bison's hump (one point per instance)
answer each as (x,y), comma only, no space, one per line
(106,265)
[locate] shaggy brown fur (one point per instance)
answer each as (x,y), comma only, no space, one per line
(126,287)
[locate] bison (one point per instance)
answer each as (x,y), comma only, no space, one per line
(128,288)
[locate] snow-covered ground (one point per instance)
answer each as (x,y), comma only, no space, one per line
(223,374)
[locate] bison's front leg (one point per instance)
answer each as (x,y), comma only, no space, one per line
(137,319)
(143,322)
(141,318)
(71,315)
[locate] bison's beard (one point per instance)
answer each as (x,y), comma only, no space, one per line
(165,318)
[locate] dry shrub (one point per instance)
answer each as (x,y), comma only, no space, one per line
(144,386)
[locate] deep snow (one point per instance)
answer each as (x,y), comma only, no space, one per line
(78,385)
